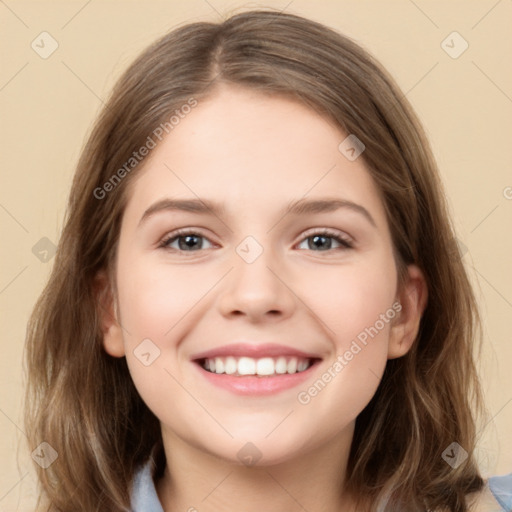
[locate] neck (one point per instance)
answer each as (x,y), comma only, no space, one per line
(198,481)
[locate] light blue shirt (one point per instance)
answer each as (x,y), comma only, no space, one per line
(145,497)
(501,487)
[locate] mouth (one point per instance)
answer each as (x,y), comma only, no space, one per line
(256,367)
(256,377)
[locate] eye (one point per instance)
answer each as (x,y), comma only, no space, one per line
(322,240)
(192,241)
(188,241)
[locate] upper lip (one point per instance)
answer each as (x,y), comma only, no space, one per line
(255,351)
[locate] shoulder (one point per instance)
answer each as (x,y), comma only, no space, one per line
(496,496)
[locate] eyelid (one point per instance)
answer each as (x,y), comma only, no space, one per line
(345,240)
(331,232)
(183,232)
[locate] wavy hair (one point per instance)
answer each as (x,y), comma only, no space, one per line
(83,402)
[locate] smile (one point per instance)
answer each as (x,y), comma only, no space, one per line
(256,377)
(263,367)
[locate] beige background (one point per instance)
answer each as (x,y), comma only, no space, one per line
(48,105)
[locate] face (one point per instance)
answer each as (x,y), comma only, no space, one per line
(289,266)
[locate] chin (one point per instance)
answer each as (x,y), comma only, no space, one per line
(258,451)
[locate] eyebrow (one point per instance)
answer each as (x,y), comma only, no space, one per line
(298,207)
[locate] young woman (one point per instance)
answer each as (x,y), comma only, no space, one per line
(257,301)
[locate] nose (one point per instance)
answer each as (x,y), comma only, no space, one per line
(258,290)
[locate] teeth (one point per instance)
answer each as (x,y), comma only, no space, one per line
(231,366)
(250,366)
(265,366)
(292,365)
(302,366)
(281,365)
(219,365)
(246,366)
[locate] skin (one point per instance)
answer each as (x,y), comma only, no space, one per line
(255,154)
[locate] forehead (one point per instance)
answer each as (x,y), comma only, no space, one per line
(249,150)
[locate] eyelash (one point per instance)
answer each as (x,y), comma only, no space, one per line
(345,242)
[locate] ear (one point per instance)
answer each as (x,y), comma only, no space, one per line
(413,299)
(110,327)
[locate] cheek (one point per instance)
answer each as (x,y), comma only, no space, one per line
(355,306)
(159,303)
(154,300)
(350,298)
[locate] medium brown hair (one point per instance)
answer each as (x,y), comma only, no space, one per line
(83,402)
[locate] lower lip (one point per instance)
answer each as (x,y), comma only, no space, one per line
(257,386)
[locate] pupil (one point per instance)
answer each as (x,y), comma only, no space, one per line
(316,238)
(190,240)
